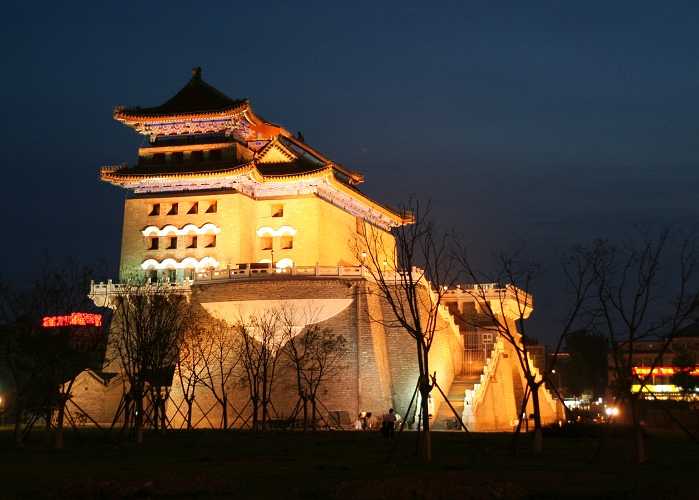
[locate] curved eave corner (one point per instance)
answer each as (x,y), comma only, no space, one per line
(395,218)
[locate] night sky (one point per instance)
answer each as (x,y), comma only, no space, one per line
(545,123)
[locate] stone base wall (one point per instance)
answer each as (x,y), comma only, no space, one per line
(379,372)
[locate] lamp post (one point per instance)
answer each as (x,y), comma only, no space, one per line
(557,385)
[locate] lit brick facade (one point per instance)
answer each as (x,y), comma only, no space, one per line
(218,191)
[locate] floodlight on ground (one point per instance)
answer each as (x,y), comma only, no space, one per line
(364,415)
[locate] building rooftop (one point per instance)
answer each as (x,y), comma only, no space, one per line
(196,97)
(201,139)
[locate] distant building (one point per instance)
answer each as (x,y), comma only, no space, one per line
(653,366)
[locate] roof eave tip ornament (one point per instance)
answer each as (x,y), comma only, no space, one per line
(196,72)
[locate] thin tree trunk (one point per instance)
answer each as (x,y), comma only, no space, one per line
(190,404)
(47,428)
(224,416)
(163,416)
(264,401)
(156,409)
(255,419)
(305,414)
(139,419)
(425,389)
(637,430)
(17,440)
(127,415)
(538,437)
(59,421)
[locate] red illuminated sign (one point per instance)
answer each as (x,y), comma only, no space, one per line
(74,319)
(662,371)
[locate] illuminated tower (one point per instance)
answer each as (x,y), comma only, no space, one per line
(246,218)
(217,186)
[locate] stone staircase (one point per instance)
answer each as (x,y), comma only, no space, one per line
(456,398)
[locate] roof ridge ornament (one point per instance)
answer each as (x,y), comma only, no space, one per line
(196,72)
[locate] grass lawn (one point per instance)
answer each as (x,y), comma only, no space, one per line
(351,464)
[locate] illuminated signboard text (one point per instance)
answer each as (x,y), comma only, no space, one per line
(74,319)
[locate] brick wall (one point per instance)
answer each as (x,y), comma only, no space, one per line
(379,372)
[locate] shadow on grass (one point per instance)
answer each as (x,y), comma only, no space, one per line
(338,464)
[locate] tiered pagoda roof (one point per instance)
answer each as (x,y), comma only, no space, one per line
(197,97)
(261,159)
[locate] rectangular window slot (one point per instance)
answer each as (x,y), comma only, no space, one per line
(173,209)
(277,210)
(194,209)
(153,243)
(198,156)
(210,241)
(159,158)
(212,208)
(172,242)
(178,157)
(191,242)
(266,243)
(154,209)
(287,242)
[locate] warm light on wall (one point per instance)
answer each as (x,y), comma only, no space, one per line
(279,232)
(74,319)
(188,229)
(188,262)
(283,263)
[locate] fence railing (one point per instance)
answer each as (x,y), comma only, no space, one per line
(491,291)
(110,287)
(248,271)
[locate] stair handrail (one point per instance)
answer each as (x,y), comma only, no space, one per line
(489,370)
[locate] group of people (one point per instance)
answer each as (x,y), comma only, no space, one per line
(388,423)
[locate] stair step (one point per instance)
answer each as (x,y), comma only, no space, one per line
(456,397)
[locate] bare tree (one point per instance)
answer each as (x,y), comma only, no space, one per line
(314,353)
(645,288)
(149,324)
(51,334)
(18,343)
(220,352)
(191,367)
(505,303)
(258,346)
(402,267)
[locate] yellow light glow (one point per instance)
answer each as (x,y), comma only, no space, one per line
(279,232)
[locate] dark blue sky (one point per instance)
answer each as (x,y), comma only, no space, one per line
(550,123)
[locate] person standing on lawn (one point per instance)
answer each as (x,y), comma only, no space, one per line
(390,421)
